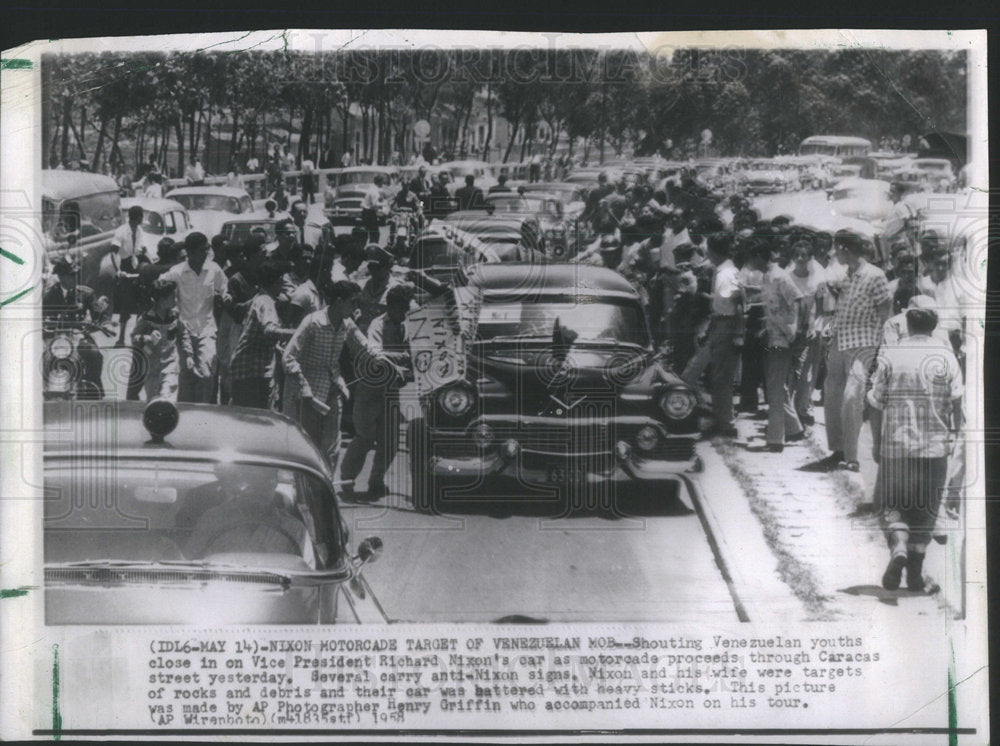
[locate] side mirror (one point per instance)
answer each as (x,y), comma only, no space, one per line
(370,549)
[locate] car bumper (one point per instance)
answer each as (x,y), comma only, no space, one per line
(569,472)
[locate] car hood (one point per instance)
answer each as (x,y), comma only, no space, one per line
(538,369)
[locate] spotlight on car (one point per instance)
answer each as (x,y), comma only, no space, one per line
(160,417)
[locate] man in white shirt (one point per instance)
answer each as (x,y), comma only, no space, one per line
(195,173)
(346,160)
(199,282)
(725,335)
(308,180)
(126,247)
(372,205)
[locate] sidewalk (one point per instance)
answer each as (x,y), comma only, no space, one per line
(831,559)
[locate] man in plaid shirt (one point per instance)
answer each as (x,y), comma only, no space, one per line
(314,384)
(863,307)
(252,369)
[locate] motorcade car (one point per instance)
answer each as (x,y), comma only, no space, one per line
(343,202)
(481,170)
(445,252)
(162,218)
(514,237)
(318,233)
(764,177)
(864,199)
(563,398)
(210,206)
(558,234)
(152,517)
(80,213)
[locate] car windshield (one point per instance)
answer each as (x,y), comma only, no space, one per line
(139,510)
(591,319)
(220,202)
(239,233)
(152,222)
(518,203)
(357,177)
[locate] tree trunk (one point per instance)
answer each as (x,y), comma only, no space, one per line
(115,149)
(515,126)
(79,140)
(465,129)
(179,130)
(67,118)
(489,122)
(99,148)
(82,136)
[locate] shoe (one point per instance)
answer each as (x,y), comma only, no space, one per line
(807,420)
(849,466)
(830,462)
(775,447)
(348,495)
(760,415)
(915,573)
(797,438)
(894,572)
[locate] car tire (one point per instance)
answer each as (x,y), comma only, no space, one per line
(422,489)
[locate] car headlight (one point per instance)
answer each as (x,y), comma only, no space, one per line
(61,348)
(678,403)
(647,438)
(455,400)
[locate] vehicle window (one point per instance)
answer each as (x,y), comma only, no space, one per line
(152,222)
(591,319)
(173,511)
(245,205)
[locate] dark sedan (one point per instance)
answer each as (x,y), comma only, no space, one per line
(564,398)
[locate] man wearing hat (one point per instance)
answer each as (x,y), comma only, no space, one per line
(200,282)
(371,303)
(863,306)
(66,303)
(916,419)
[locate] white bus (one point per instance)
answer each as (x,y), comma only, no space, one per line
(835,145)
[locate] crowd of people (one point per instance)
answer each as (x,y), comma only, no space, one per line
(763,316)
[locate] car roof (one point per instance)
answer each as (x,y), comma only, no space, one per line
(222,190)
(204,431)
(557,279)
(369,170)
(156,204)
(58,184)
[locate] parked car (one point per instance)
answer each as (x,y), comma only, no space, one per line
(210,206)
(161,218)
(563,397)
(80,213)
(152,517)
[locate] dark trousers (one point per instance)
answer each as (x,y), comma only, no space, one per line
(752,361)
(251,392)
(92,361)
(911,494)
(138,369)
(369,221)
(308,188)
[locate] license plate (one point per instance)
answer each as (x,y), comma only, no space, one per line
(566,475)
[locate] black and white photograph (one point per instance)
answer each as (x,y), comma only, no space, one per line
(622,355)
